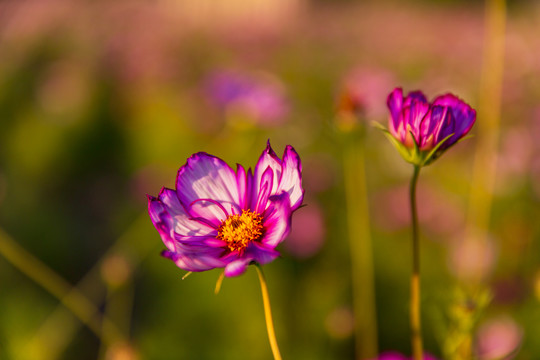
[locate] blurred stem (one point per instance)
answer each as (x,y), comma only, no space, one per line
(72,299)
(118,307)
(268,314)
(58,329)
(489,113)
(416,329)
(363,288)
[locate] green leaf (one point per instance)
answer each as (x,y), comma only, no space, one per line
(430,155)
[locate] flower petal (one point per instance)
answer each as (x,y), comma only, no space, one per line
(267,159)
(267,182)
(242,184)
(237,267)
(435,126)
(413,114)
(395,104)
(446,126)
(415,97)
(260,253)
(170,219)
(207,177)
(464,116)
(195,261)
(277,220)
(291,177)
(391,355)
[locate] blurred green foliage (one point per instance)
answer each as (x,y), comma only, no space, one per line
(101,103)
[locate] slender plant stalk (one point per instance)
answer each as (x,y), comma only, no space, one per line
(363,288)
(118,308)
(489,113)
(72,299)
(416,329)
(268,315)
(58,329)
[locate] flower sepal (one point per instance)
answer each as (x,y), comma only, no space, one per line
(413,154)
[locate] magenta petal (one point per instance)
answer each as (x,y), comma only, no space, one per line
(242,183)
(183,225)
(162,221)
(171,220)
(267,159)
(391,355)
(261,254)
(463,115)
(291,177)
(413,116)
(277,220)
(195,261)
(415,97)
(210,212)
(207,177)
(237,267)
(267,181)
(395,104)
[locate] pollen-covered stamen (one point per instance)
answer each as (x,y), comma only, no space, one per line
(239,230)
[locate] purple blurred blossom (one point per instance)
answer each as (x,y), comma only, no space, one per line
(258,97)
(308,232)
(339,323)
(217,217)
(440,212)
(439,124)
(498,339)
(472,259)
(363,89)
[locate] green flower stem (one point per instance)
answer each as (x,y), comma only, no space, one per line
(70,297)
(363,288)
(416,329)
(268,315)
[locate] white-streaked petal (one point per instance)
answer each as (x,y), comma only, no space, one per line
(268,159)
(291,177)
(207,177)
(267,181)
(195,261)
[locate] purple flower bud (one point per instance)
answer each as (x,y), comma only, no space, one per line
(425,130)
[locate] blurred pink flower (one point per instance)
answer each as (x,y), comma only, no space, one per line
(320,172)
(514,159)
(308,232)
(470,259)
(438,211)
(339,323)
(260,98)
(498,338)
(363,91)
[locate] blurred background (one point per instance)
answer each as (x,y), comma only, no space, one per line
(102,101)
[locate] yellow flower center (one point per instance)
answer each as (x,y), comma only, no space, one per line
(238,230)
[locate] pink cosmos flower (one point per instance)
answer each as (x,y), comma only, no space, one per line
(217,217)
(499,338)
(425,130)
(262,98)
